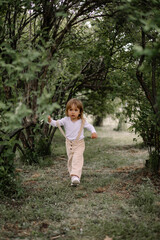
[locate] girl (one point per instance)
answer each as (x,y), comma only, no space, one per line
(74,125)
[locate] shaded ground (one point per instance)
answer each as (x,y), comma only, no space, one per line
(117,198)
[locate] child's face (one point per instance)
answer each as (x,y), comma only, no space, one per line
(73,112)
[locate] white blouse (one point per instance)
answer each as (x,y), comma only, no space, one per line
(72,128)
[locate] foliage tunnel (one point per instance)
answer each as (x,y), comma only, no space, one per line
(51,51)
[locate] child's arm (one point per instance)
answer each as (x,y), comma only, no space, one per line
(94,135)
(91,129)
(49,119)
(53,122)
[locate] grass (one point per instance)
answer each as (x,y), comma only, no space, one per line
(117,196)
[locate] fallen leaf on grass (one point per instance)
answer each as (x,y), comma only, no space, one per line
(29,182)
(62,158)
(56,237)
(85,196)
(19,170)
(133,151)
(100,190)
(36,175)
(127,169)
(107,238)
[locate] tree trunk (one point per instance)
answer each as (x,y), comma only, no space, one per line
(98,121)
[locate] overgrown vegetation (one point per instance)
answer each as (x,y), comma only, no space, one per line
(99,51)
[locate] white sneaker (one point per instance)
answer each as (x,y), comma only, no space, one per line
(75,180)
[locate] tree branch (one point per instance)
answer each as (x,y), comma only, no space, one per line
(139,76)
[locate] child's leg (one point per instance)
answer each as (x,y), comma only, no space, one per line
(75,152)
(70,155)
(76,163)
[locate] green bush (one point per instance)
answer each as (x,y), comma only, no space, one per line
(9,180)
(43,148)
(36,156)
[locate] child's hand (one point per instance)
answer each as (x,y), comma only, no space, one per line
(94,135)
(49,119)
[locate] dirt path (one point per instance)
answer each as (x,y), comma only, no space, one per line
(117,197)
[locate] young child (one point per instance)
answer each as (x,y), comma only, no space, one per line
(74,125)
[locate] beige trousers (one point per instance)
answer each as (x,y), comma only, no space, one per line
(75,150)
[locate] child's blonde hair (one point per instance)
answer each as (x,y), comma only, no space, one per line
(78,104)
